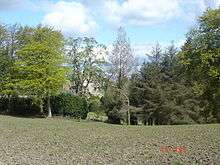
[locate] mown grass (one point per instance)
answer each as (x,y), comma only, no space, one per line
(60,141)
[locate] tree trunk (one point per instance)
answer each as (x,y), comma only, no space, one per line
(127,106)
(41,108)
(49,107)
(9,104)
(128,112)
(129,117)
(119,79)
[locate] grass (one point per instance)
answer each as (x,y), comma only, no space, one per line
(60,141)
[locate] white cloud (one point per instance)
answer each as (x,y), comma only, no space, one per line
(142,49)
(180,43)
(216,4)
(191,10)
(211,3)
(150,12)
(70,17)
(141,12)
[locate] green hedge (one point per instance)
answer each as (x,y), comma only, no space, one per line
(64,104)
(69,105)
(18,106)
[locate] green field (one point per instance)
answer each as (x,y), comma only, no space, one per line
(62,141)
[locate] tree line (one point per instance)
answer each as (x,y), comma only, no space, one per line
(174,86)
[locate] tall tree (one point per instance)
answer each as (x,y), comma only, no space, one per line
(156,54)
(9,46)
(170,58)
(86,57)
(4,57)
(122,62)
(160,89)
(201,57)
(39,69)
(121,59)
(12,42)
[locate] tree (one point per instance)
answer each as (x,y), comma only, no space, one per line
(121,59)
(39,68)
(156,54)
(169,59)
(122,63)
(151,76)
(160,89)
(201,57)
(4,57)
(86,61)
(8,48)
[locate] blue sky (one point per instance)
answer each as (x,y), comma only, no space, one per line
(146,21)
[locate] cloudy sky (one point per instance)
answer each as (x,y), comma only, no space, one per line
(146,21)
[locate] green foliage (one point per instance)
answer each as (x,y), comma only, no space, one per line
(18,106)
(70,105)
(39,64)
(171,88)
(95,105)
(85,55)
(3,105)
(39,70)
(94,116)
(201,57)
(159,88)
(112,102)
(5,60)
(5,64)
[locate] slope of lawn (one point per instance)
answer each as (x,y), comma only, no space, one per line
(62,141)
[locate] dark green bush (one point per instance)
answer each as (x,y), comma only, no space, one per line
(18,106)
(3,105)
(69,105)
(113,104)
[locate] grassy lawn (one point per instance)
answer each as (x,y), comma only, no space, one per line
(59,141)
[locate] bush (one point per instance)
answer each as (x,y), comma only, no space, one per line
(69,105)
(18,106)
(114,116)
(95,105)
(3,105)
(113,104)
(96,117)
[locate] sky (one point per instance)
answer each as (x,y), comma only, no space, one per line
(145,21)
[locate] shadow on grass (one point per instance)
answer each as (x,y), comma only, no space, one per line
(31,116)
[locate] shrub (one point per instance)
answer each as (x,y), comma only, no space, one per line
(18,106)
(3,104)
(96,106)
(96,117)
(23,106)
(94,103)
(113,104)
(69,105)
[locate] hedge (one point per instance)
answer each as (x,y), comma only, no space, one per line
(18,106)
(69,105)
(64,104)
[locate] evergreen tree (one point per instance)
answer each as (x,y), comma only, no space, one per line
(166,98)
